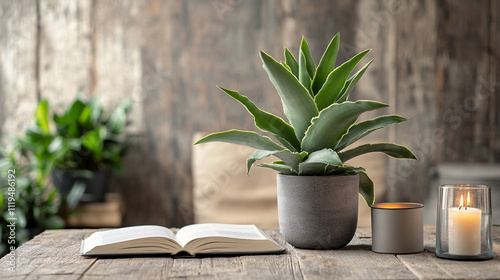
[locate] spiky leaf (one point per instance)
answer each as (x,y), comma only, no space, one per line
(311,67)
(291,159)
(268,122)
(333,122)
(326,64)
(291,62)
(42,116)
(281,168)
(331,89)
(248,138)
(366,189)
(286,66)
(362,129)
(298,104)
(317,162)
(393,150)
(351,82)
(304,78)
(343,170)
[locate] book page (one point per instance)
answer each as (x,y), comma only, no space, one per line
(126,234)
(188,233)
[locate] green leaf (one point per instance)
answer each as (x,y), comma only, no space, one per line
(326,64)
(281,168)
(343,170)
(118,117)
(362,129)
(351,82)
(85,116)
(291,62)
(366,188)
(333,122)
(94,141)
(56,144)
(258,155)
(75,111)
(336,80)
(42,116)
(248,138)
(311,67)
(286,66)
(298,104)
(268,122)
(317,162)
(290,159)
(95,111)
(304,78)
(393,150)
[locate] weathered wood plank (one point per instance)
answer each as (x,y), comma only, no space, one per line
(127,34)
(54,253)
(18,29)
(493,86)
(65,50)
(414,99)
(321,264)
(427,266)
(130,268)
(462,72)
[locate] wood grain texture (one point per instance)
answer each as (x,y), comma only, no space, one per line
(54,254)
(18,28)
(464,82)
(414,99)
(132,61)
(494,82)
(65,50)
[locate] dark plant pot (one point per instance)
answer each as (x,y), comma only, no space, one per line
(96,185)
(318,212)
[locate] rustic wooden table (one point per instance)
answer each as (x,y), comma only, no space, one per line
(54,254)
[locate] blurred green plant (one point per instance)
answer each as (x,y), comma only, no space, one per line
(36,203)
(85,138)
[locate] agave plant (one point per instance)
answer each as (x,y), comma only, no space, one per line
(322,123)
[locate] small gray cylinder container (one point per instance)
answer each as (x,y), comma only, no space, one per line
(397,228)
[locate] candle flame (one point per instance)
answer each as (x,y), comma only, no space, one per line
(462,201)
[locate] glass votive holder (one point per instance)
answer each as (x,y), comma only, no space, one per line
(463,225)
(397,228)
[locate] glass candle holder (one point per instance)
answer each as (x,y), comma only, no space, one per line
(463,226)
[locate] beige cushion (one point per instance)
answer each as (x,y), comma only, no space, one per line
(224,193)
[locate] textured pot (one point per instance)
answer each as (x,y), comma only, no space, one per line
(318,212)
(96,185)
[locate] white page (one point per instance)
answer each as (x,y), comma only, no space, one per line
(126,234)
(188,233)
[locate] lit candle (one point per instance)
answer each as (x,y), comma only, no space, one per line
(464,227)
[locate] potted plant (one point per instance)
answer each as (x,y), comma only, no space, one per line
(86,146)
(27,199)
(317,190)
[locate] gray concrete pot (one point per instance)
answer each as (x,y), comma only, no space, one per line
(318,212)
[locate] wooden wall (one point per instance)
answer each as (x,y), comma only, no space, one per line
(436,62)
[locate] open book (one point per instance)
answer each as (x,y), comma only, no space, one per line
(193,239)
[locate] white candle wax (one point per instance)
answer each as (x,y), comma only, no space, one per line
(464,227)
